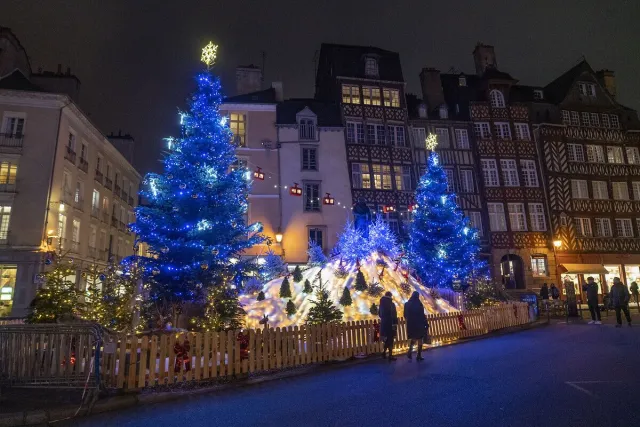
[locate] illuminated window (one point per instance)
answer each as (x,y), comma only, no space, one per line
(371,95)
(382,177)
(238,126)
(614,155)
(391,97)
(539,265)
(350,94)
(62,229)
(633,157)
(360,175)
(620,190)
(5,218)
(595,154)
(600,191)
(583,227)
(8,275)
(536,215)
(497,99)
(8,172)
(579,189)
(517,218)
(497,221)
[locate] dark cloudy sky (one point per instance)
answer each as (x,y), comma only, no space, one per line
(135,58)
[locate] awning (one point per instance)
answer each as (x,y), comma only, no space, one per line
(583,269)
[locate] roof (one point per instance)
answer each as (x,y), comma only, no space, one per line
(18,81)
(493,73)
(557,90)
(348,61)
(267,96)
(328,113)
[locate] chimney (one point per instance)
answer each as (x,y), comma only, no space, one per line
(484,57)
(248,79)
(59,68)
(607,78)
(277,86)
(431,85)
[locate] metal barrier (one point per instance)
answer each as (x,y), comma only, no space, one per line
(51,355)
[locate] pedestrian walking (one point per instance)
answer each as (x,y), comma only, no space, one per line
(544,292)
(388,324)
(555,293)
(591,289)
(634,291)
(619,299)
(416,323)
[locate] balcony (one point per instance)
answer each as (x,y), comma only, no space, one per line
(7,185)
(105,217)
(11,140)
(79,204)
(98,177)
(70,155)
(95,212)
(67,197)
(83,165)
(117,190)
(74,247)
(108,183)
(114,222)
(124,196)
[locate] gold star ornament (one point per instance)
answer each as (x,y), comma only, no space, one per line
(431,142)
(209,54)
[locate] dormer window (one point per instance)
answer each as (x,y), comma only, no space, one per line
(444,112)
(538,94)
(371,67)
(306,129)
(462,81)
(422,111)
(497,99)
(587,89)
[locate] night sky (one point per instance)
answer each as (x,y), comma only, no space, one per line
(136,58)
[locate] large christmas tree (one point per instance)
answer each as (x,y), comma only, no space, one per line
(443,247)
(193,215)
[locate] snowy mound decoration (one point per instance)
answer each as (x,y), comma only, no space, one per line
(373,251)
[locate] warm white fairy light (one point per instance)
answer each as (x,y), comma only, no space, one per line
(209,53)
(431,142)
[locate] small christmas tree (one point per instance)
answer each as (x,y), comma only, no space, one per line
(273,267)
(291,308)
(285,289)
(373,309)
(317,258)
(345,299)
(95,301)
(352,245)
(260,296)
(59,298)
(222,311)
(382,239)
(323,310)
(297,274)
(361,283)
(307,287)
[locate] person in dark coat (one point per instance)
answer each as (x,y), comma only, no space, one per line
(591,289)
(544,291)
(619,299)
(634,291)
(416,323)
(555,292)
(388,324)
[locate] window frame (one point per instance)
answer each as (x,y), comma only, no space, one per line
(309,205)
(575,153)
(482,130)
(358,132)
(490,174)
(391,97)
(620,190)
(502,130)
(595,153)
(529,173)
(577,187)
(597,190)
(306,164)
(307,129)
(496,98)
(235,125)
(467,182)
(538,261)
(462,139)
(370,98)
(581,230)
(510,175)
(371,68)
(537,216)
(360,175)
(621,225)
(600,230)
(615,155)
(351,95)
(402,175)
(379,134)
(517,217)
(522,131)
(497,219)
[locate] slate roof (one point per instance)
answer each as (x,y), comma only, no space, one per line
(557,90)
(328,113)
(348,61)
(267,96)
(18,81)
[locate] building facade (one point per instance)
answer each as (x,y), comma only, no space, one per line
(368,85)
(590,153)
(63,189)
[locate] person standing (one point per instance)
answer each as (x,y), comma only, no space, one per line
(555,293)
(591,289)
(634,291)
(388,324)
(619,299)
(416,323)
(544,291)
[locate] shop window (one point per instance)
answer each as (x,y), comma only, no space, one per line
(7,288)
(539,267)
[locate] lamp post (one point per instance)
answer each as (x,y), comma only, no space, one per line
(279,237)
(557,244)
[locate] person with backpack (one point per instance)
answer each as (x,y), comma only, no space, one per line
(388,324)
(555,292)
(416,323)
(619,299)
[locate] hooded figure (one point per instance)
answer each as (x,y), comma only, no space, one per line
(388,323)
(591,288)
(416,323)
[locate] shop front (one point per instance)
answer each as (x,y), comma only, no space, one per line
(7,288)
(579,273)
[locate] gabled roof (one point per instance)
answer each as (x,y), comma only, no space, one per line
(267,96)
(328,113)
(18,81)
(348,61)
(557,90)
(492,73)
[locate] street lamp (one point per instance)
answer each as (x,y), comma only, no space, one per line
(557,244)
(279,237)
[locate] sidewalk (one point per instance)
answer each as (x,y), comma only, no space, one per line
(20,407)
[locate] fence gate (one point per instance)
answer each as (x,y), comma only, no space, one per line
(55,355)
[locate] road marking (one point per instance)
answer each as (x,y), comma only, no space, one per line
(577,387)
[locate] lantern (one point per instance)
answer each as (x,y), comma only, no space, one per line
(387,209)
(258,174)
(295,190)
(328,200)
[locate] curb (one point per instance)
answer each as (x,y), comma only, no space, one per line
(42,417)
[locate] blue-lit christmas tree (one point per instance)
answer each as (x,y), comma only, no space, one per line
(443,248)
(193,215)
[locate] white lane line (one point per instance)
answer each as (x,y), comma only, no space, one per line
(594,382)
(577,387)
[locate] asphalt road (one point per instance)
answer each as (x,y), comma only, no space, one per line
(561,375)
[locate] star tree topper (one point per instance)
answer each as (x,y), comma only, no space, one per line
(431,142)
(209,54)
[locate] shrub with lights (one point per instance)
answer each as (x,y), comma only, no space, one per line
(193,213)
